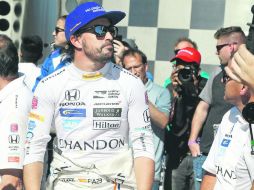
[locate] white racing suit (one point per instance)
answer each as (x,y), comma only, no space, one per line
(15,104)
(116,172)
(96,116)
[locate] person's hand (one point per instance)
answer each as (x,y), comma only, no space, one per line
(241,67)
(194,148)
(176,83)
(174,77)
(9,182)
(119,49)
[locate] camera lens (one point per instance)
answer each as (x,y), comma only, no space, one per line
(185,75)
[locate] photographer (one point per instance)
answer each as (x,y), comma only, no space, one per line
(185,88)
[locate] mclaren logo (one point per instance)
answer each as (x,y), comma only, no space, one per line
(72,95)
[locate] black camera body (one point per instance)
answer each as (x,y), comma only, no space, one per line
(185,74)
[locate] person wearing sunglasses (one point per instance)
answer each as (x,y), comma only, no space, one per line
(229,164)
(58,57)
(212,106)
(98,110)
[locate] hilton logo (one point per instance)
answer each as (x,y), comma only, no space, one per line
(106,124)
(72,95)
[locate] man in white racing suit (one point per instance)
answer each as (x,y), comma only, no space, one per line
(95,107)
(15,104)
(229,164)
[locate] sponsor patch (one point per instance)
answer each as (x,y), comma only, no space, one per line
(31,125)
(107,103)
(106,124)
(72,95)
(36,116)
(92,181)
(52,75)
(34,102)
(72,104)
(107,112)
(13,148)
(13,159)
(29,135)
(69,124)
(66,180)
(146,116)
(225,142)
(97,144)
(14,127)
(100,94)
(14,139)
(65,112)
(106,94)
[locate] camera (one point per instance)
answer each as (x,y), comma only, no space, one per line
(185,74)
(118,38)
(248,112)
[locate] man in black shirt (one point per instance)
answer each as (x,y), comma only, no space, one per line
(186,84)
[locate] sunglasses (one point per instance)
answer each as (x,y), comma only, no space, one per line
(225,77)
(100,30)
(57,30)
(219,47)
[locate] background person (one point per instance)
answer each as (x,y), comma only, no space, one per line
(181,43)
(229,164)
(185,87)
(15,103)
(58,58)
(30,52)
(135,61)
(120,46)
(242,66)
(212,106)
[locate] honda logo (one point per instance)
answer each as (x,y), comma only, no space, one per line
(14,139)
(146,116)
(72,95)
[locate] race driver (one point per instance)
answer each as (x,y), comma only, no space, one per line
(97,109)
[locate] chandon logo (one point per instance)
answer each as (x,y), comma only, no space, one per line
(107,144)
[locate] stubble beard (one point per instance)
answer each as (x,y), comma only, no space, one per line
(97,54)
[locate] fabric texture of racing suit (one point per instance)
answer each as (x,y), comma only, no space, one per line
(56,60)
(15,104)
(230,156)
(95,116)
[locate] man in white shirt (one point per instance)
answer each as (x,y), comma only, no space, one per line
(229,164)
(15,103)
